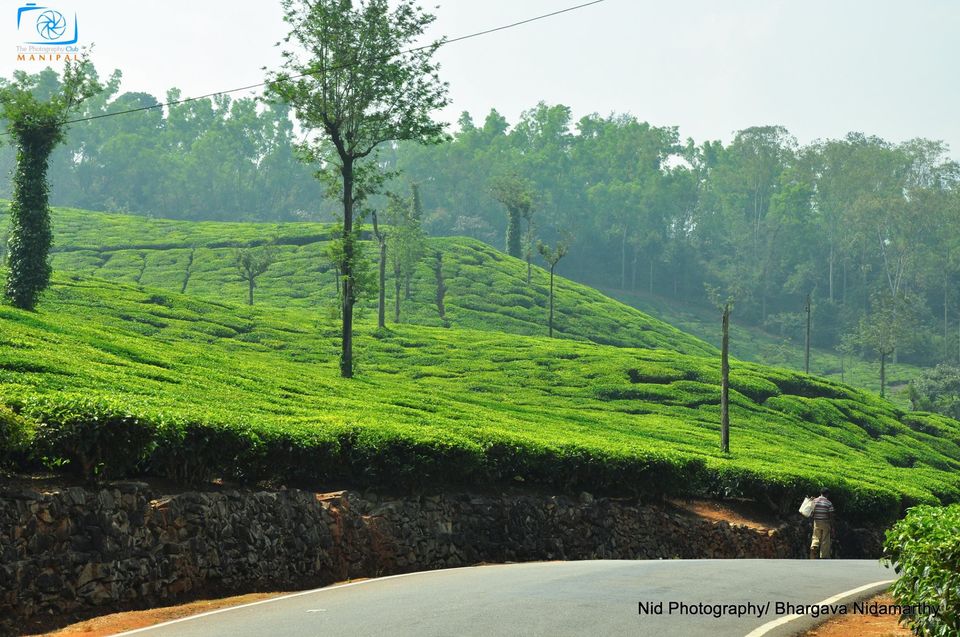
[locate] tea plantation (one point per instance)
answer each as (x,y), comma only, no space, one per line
(142,359)
(486,289)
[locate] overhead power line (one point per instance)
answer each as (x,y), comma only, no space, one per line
(340,67)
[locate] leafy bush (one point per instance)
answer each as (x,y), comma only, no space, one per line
(925,550)
(94,437)
(192,451)
(15,435)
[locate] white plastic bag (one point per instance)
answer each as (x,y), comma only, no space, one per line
(806,509)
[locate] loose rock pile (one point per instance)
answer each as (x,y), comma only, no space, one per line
(76,550)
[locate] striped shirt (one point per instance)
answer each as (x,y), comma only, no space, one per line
(822,508)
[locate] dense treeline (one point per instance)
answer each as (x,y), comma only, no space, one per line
(214,158)
(869,229)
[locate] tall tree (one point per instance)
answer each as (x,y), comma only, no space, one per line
(361,84)
(37,124)
(552,256)
(884,328)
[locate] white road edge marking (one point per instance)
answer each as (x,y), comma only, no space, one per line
(281,597)
(786,619)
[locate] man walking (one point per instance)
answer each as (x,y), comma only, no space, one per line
(822,525)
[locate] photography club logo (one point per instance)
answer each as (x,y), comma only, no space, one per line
(47,34)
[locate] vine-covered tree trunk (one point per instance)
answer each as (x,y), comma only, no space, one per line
(30,233)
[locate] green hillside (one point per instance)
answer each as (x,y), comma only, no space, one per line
(142,358)
(486,289)
(190,388)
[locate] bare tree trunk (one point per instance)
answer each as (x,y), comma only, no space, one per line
(830,276)
(551,302)
(250,291)
(396,292)
(382,268)
(623,259)
(441,284)
(843,298)
(806,347)
(346,332)
(382,301)
(946,327)
(725,382)
(883,373)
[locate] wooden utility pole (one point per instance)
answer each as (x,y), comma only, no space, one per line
(725,382)
(806,350)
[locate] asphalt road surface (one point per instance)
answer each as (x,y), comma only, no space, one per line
(555,599)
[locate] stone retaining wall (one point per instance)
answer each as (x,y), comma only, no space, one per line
(77,551)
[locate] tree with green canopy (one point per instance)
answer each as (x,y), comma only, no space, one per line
(251,263)
(353,77)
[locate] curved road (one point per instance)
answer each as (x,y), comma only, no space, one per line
(552,598)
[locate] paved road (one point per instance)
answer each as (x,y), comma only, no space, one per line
(545,598)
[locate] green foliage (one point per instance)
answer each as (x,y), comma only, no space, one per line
(924,548)
(96,438)
(843,219)
(937,390)
(16,433)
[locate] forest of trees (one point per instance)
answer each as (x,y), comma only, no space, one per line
(870,229)
(219,158)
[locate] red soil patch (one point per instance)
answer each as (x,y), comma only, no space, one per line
(120,622)
(863,625)
(741,512)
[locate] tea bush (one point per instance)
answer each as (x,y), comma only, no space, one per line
(924,548)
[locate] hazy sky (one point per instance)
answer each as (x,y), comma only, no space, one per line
(821,68)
